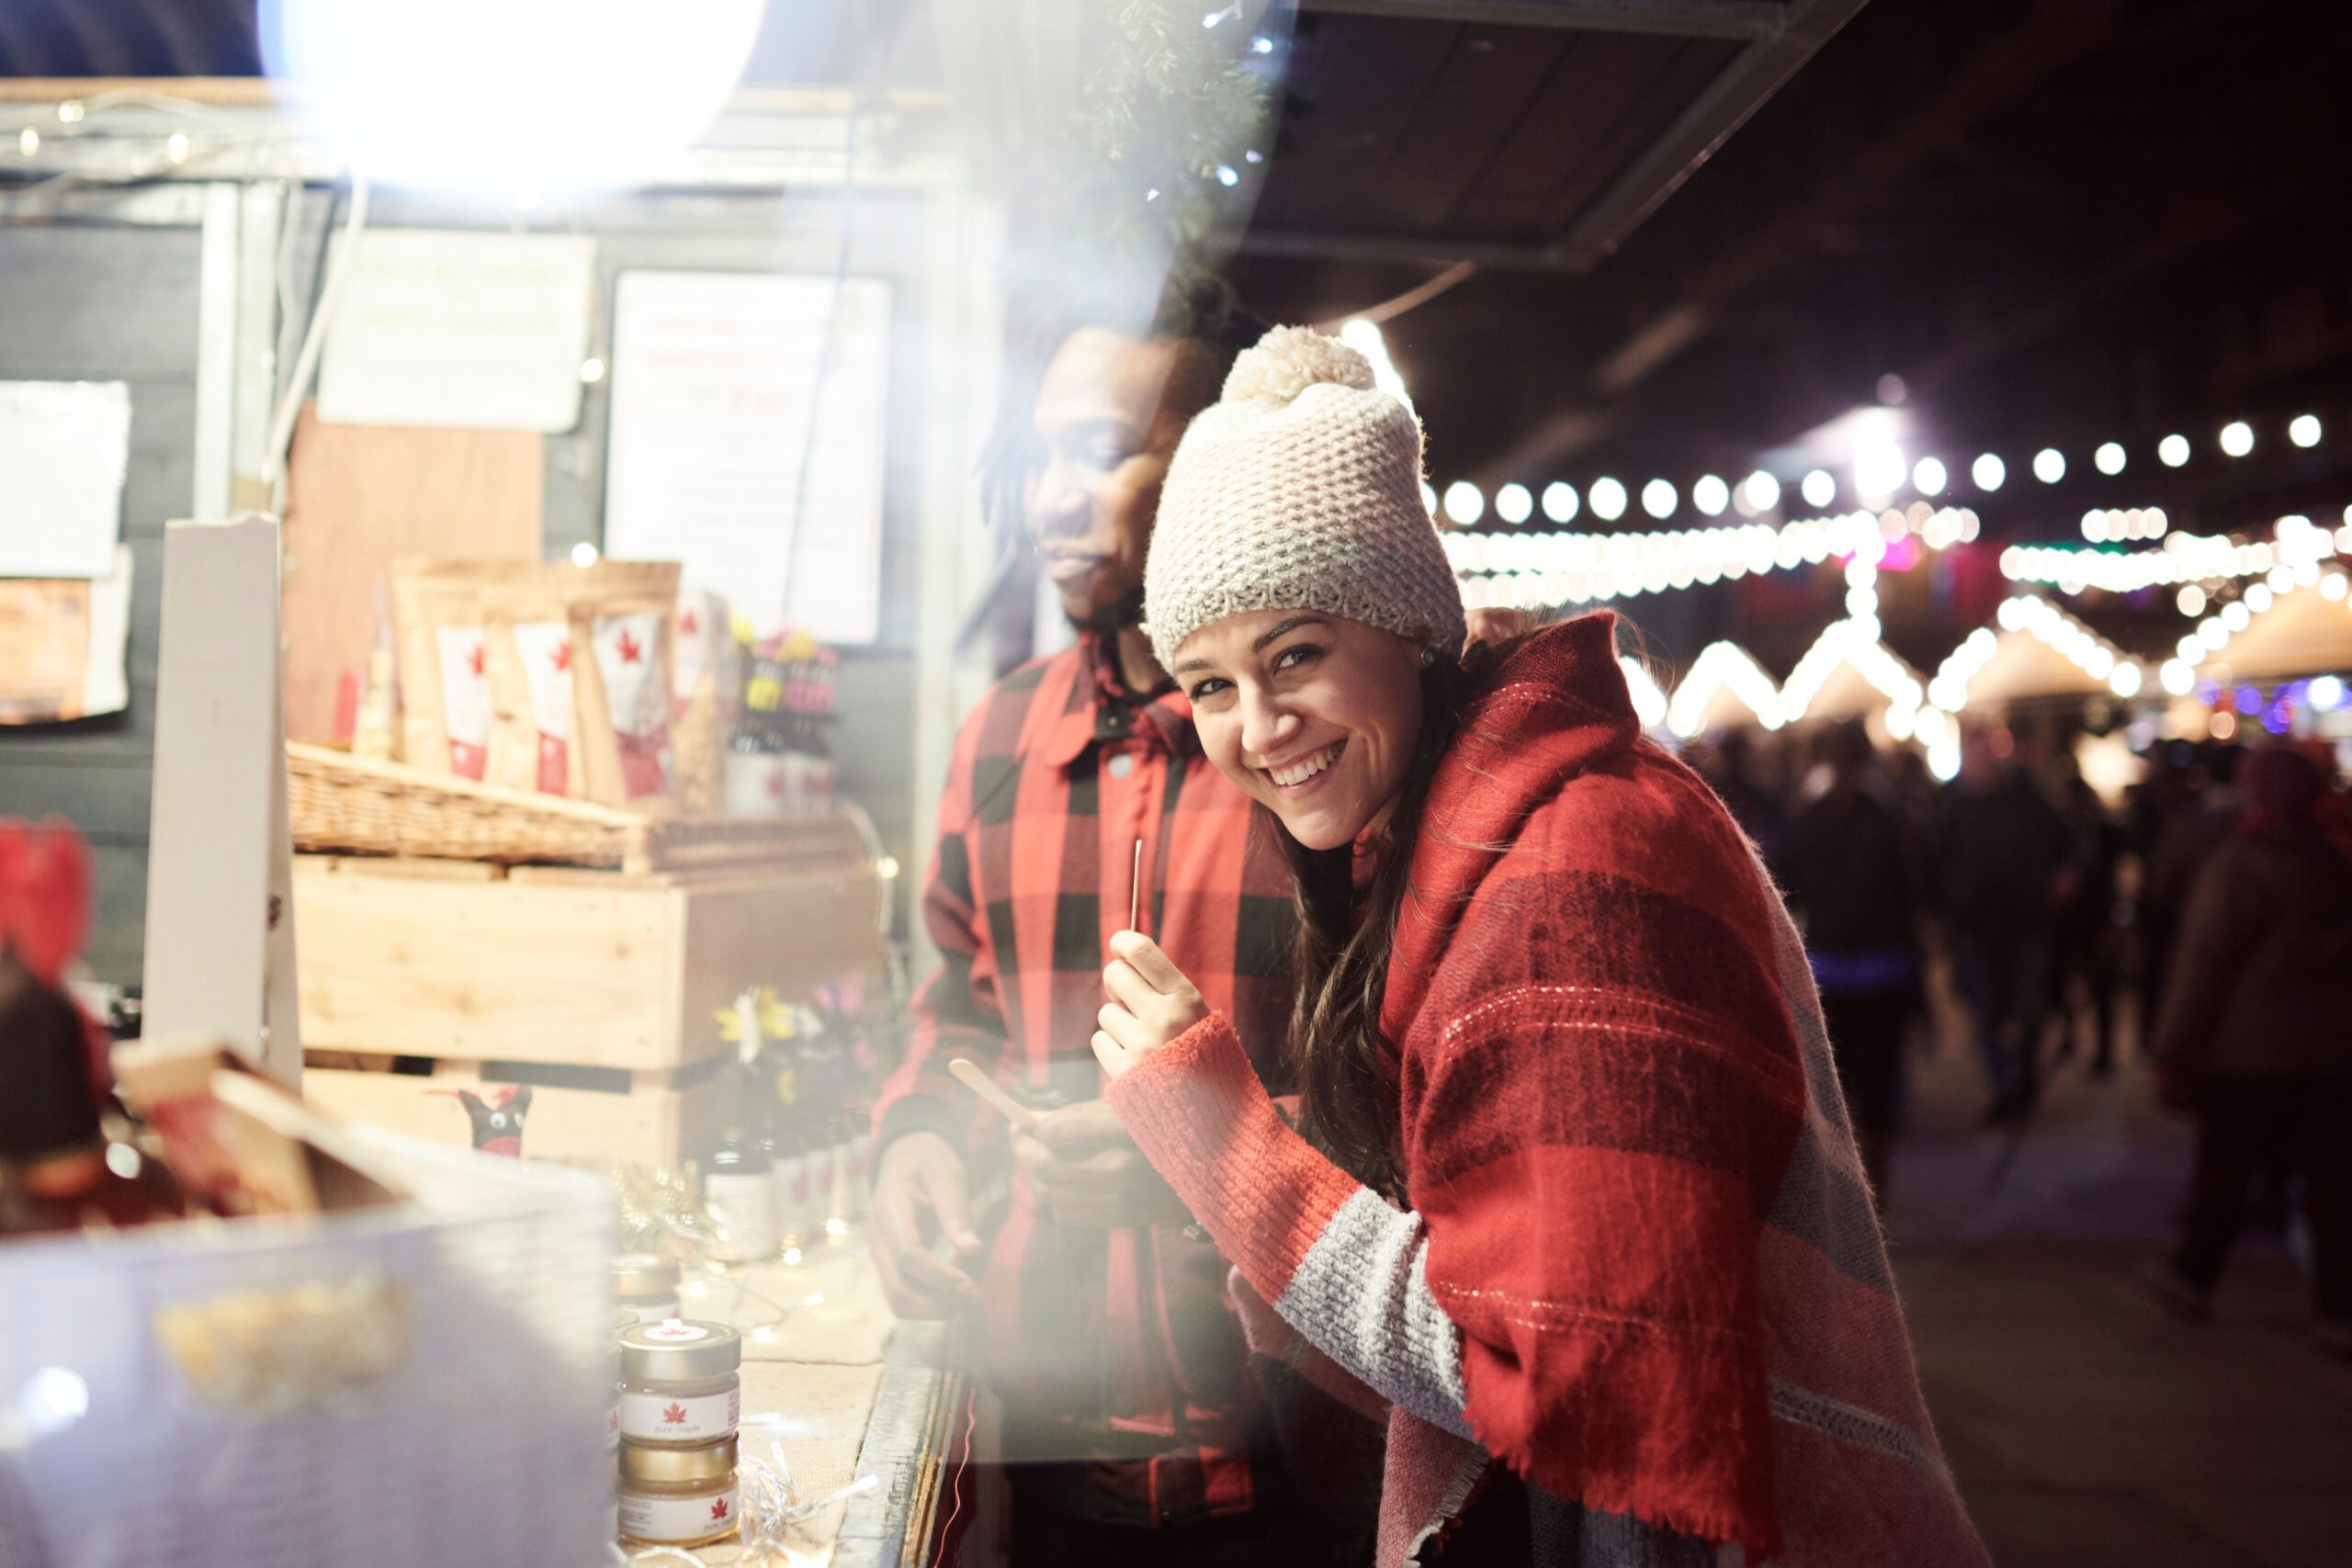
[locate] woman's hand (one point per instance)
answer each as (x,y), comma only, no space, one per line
(1151,1003)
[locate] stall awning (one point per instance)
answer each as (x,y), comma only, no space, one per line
(2039,651)
(2307,631)
(1725,688)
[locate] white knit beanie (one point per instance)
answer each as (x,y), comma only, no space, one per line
(1299,489)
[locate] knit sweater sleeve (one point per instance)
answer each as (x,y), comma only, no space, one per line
(1344,1267)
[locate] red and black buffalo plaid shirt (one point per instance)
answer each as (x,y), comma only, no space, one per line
(1112,1349)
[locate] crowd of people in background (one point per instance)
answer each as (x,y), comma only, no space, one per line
(2205,914)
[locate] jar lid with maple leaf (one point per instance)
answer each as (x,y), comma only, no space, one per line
(678,1467)
(678,1351)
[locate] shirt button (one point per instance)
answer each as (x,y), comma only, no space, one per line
(1121,765)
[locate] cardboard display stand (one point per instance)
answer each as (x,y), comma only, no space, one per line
(219,873)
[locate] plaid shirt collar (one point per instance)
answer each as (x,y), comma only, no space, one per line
(1101,707)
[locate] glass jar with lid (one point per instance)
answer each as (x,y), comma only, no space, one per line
(677,1497)
(679,1382)
(646,1284)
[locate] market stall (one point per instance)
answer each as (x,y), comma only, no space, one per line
(596,783)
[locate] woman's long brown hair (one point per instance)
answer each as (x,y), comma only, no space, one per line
(1346,1063)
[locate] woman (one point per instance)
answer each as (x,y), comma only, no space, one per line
(2252,1037)
(1575,1205)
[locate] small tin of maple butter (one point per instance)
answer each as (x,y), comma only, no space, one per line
(679,1381)
(678,1496)
(646,1285)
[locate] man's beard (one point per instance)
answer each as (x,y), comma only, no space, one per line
(1122,613)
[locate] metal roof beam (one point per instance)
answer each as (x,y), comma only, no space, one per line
(1664,19)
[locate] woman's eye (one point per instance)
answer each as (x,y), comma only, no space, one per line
(1296,655)
(1208,688)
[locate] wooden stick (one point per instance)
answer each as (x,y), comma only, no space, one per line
(971,1076)
(1135,890)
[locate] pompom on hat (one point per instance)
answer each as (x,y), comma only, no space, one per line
(1299,489)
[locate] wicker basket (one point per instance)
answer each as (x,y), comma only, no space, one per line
(346,804)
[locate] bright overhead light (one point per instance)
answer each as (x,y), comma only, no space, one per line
(2049,465)
(1929,476)
(2178,675)
(2237,439)
(2108,458)
(1465,504)
(583,554)
(530,103)
(2304,431)
(2173,451)
(1879,468)
(2125,681)
(1514,504)
(1711,495)
(1608,499)
(1763,493)
(1428,499)
(2189,601)
(1658,498)
(1818,488)
(1988,471)
(2326,692)
(1560,501)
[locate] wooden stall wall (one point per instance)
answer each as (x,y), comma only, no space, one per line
(801,233)
(89,301)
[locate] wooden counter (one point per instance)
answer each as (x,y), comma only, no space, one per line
(844,1391)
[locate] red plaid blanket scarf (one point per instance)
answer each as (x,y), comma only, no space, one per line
(1639,1265)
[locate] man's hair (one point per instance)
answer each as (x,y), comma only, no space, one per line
(1191,305)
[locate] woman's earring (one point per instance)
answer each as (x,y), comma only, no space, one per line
(1429,659)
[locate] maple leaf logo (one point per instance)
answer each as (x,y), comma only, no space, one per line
(474,659)
(689,622)
(560,656)
(719,1508)
(675,1416)
(630,649)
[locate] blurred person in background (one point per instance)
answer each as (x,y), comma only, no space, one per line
(1728,763)
(2005,865)
(2082,934)
(2195,819)
(2256,1035)
(1851,866)
(1131,1433)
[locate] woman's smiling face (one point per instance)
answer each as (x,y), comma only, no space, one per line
(1316,715)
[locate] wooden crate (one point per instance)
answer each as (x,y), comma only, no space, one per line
(557,964)
(651,1119)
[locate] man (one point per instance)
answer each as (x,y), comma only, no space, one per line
(1127,1418)
(1852,869)
(2006,866)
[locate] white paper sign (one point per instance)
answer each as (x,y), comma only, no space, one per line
(64,448)
(460,331)
(714,375)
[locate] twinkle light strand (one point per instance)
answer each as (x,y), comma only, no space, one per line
(1532,570)
(2297,546)
(1877,473)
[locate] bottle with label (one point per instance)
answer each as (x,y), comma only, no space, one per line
(58,1172)
(739,1190)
